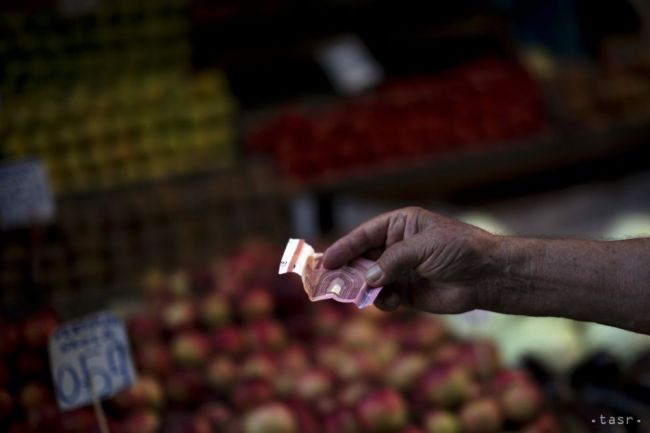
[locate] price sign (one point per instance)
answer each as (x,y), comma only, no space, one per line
(25,196)
(90,360)
(349,65)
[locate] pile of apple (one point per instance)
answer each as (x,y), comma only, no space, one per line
(26,395)
(476,106)
(135,129)
(234,348)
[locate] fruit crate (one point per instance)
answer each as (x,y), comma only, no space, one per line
(139,128)
(100,243)
(482,105)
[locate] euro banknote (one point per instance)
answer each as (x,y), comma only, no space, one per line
(345,284)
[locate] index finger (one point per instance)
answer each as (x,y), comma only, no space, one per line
(371,234)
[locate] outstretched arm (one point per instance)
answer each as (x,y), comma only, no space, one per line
(597,281)
(441,265)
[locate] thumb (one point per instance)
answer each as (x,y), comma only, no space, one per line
(396,259)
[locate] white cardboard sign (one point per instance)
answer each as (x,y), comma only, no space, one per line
(349,65)
(90,360)
(25,196)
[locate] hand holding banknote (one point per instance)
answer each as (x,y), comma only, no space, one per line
(346,283)
(426,261)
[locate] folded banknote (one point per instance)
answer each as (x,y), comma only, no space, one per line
(345,284)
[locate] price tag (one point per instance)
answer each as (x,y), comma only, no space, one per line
(90,358)
(349,65)
(25,196)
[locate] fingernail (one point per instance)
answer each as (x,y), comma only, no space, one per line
(374,274)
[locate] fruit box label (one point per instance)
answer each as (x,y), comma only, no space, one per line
(25,196)
(90,356)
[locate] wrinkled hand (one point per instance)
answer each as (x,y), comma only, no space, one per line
(426,261)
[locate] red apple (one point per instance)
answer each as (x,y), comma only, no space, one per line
(79,421)
(386,352)
(285,383)
(228,340)
(259,365)
(146,392)
(507,378)
(545,423)
(294,359)
(47,417)
(329,355)
(142,421)
(327,321)
(305,417)
(144,328)
(221,373)
(383,410)
(190,348)
(37,327)
(481,357)
(341,420)
(215,310)
(481,416)
(351,393)
(199,425)
(424,333)
(30,365)
(34,395)
(256,303)
(252,392)
(266,335)
(358,364)
(216,415)
(179,314)
(9,338)
(313,384)
(446,385)
(184,387)
(406,369)
(521,402)
(6,404)
(360,333)
(441,422)
(154,358)
(446,353)
(270,418)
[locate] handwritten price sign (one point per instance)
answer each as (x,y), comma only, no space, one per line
(90,358)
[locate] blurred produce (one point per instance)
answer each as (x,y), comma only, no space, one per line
(472,107)
(106,98)
(138,128)
(232,347)
(585,95)
(117,38)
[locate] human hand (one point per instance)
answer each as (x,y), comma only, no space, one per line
(426,261)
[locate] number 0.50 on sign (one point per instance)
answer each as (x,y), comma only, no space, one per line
(90,359)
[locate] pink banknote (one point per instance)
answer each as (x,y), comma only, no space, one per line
(345,284)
